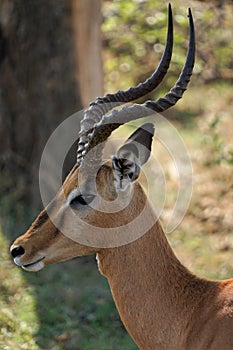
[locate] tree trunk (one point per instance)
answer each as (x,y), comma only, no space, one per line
(87,19)
(38,84)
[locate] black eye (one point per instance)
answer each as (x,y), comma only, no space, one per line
(82,200)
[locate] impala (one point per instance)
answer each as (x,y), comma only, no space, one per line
(161,303)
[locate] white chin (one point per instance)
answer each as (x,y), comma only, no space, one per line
(37,266)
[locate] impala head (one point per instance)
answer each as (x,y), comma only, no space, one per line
(97,197)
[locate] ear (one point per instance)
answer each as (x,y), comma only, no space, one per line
(131,156)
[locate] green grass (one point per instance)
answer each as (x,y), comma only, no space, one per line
(66,306)
(18,317)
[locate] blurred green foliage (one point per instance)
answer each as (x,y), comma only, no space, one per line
(219,151)
(135,35)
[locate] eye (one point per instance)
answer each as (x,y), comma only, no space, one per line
(82,200)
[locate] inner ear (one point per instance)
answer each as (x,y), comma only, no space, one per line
(127,150)
(132,155)
(142,138)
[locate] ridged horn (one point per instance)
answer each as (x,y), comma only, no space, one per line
(102,105)
(109,123)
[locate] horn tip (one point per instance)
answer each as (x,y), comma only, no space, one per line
(190,16)
(169,9)
(190,13)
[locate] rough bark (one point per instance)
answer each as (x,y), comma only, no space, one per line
(87,43)
(38,85)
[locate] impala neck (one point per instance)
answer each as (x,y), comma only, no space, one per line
(155,294)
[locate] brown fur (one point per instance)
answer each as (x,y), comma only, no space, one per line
(161,303)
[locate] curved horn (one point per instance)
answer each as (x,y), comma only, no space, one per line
(102,105)
(109,123)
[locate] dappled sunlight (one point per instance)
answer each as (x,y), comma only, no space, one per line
(19,321)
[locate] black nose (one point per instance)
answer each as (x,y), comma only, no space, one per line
(17,251)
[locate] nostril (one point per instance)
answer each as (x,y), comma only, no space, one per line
(17,251)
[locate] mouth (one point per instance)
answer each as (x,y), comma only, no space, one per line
(33,266)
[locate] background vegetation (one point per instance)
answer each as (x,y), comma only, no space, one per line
(69,306)
(135,35)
